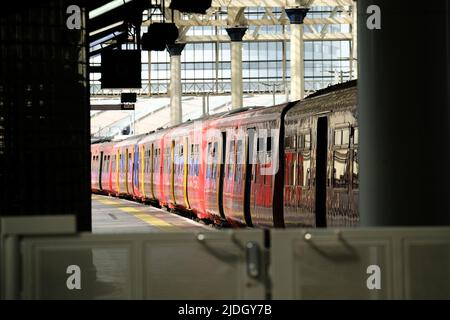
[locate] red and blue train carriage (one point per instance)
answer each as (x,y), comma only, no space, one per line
(294,164)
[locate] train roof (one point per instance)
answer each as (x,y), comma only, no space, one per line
(131,140)
(334,88)
(249,115)
(343,95)
(334,98)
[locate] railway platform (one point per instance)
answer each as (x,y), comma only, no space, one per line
(115,215)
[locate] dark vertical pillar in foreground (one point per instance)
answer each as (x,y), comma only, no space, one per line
(404,114)
(44,113)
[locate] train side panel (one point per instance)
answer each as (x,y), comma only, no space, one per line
(318,193)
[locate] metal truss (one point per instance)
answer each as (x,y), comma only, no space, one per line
(315,28)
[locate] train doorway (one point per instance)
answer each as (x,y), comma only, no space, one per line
(222,173)
(100,172)
(248,175)
(321,172)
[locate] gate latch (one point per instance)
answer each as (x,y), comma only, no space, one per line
(253,259)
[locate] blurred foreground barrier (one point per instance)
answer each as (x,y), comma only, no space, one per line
(210,265)
(378,263)
(46,259)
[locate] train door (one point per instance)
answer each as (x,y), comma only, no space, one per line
(186,172)
(152,170)
(172,169)
(250,142)
(137,170)
(178,173)
(303,192)
(339,194)
(222,159)
(321,172)
(100,171)
(122,172)
(290,168)
(127,169)
(144,158)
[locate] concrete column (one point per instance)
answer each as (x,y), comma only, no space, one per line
(296,17)
(175,88)
(236,34)
(404,113)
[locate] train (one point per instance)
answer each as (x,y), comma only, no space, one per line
(290,165)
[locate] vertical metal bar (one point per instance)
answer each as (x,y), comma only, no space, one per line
(149,71)
(284,64)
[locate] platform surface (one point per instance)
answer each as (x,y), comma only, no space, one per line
(115,215)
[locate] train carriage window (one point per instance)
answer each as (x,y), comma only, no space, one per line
(215,162)
(239,160)
(167,160)
(194,160)
(231,160)
(181,160)
(355,135)
(146,157)
(304,169)
(197,159)
(156,161)
(340,169)
(290,143)
(346,136)
(337,137)
(175,160)
(291,171)
(342,137)
(355,170)
(260,145)
(307,143)
(269,144)
(268,162)
(209,164)
(212,160)
(191,160)
(304,141)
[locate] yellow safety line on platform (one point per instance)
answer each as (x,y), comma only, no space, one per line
(108,202)
(145,217)
(156,222)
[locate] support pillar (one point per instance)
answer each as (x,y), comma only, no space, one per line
(175,88)
(296,17)
(404,114)
(236,34)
